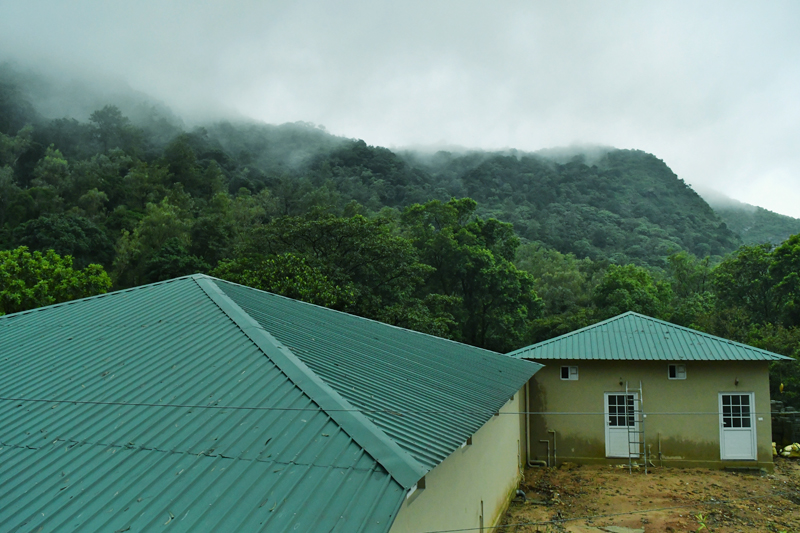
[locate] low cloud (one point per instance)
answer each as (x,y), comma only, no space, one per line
(710,88)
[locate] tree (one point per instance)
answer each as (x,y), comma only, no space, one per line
(113,130)
(783,374)
(785,271)
(11,147)
(287,275)
(471,258)
(381,267)
(144,184)
(67,234)
(52,171)
(631,288)
(12,207)
(29,280)
(691,281)
(173,260)
(565,285)
(744,280)
(162,222)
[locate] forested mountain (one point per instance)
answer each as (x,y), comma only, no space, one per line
(755,225)
(496,249)
(625,206)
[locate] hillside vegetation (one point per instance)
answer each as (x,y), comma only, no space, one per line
(755,225)
(498,250)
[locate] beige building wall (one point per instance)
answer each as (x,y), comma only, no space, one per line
(682,415)
(482,476)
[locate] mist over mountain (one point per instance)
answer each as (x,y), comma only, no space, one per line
(597,202)
(753,224)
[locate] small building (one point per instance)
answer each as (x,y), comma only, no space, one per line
(198,405)
(633,386)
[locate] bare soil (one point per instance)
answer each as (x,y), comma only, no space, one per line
(602,498)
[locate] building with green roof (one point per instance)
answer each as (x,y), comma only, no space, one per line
(201,405)
(634,388)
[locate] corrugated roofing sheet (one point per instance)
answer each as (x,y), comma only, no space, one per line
(634,337)
(162,405)
(428,394)
(120,452)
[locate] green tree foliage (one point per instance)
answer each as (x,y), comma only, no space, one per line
(12,147)
(565,285)
(29,280)
(136,250)
(67,234)
(631,288)
(173,260)
(625,206)
(110,129)
(691,282)
(785,271)
(551,242)
(381,268)
(287,275)
(755,225)
(785,341)
(743,281)
(52,171)
(472,262)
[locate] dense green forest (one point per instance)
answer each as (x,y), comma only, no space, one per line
(754,224)
(494,249)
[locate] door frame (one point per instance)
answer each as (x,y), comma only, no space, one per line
(753,429)
(607,426)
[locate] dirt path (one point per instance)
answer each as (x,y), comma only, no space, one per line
(593,498)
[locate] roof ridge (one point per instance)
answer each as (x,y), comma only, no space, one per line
(198,276)
(518,353)
(704,334)
(398,463)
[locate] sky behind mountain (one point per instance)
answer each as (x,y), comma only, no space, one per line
(710,87)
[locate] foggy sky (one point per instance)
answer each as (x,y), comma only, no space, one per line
(712,88)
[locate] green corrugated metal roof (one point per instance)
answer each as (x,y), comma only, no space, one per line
(634,337)
(445,390)
(169,403)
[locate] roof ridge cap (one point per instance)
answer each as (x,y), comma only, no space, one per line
(398,463)
(657,321)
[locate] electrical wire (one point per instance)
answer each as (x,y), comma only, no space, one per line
(396,412)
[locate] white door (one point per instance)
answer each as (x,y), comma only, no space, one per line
(619,417)
(737,426)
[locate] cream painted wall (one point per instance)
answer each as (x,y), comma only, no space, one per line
(686,439)
(488,470)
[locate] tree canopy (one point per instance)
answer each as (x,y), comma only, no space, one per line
(496,249)
(34,279)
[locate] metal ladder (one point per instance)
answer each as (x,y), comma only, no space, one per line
(636,441)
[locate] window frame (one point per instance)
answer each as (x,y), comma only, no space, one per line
(678,374)
(571,376)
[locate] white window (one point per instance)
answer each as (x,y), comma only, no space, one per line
(569,372)
(677,372)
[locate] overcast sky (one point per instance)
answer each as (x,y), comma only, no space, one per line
(712,88)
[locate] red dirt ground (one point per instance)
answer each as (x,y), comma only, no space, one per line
(601,498)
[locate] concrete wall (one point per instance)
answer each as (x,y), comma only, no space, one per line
(686,439)
(486,471)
